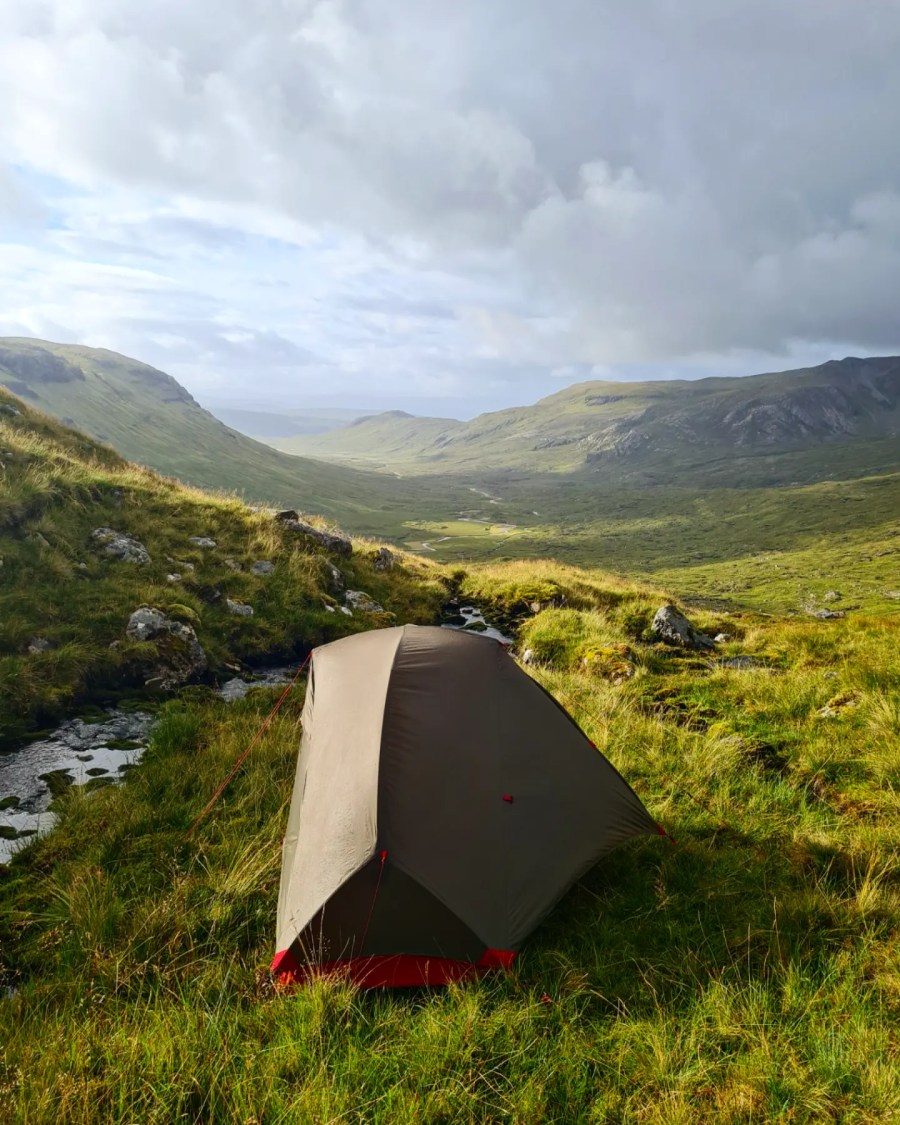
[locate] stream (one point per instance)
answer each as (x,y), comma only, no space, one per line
(99,751)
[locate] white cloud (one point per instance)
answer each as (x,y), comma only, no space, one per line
(470,197)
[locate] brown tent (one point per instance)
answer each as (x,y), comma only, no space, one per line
(443,803)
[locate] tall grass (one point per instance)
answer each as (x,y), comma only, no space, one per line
(748,973)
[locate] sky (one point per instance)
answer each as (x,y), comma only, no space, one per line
(449,207)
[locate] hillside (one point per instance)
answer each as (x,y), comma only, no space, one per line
(841,419)
(67,593)
(146,416)
(698,981)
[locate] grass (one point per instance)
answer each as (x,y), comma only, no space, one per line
(749,973)
(58,486)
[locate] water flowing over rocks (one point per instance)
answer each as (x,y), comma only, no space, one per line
(120,546)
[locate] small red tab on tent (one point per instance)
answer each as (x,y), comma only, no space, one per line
(508,798)
(662,832)
(546,999)
(383,856)
(496,959)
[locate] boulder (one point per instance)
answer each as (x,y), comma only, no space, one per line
(179,654)
(384,559)
(203,541)
(120,546)
(359,599)
(332,542)
(239,609)
(671,626)
(262,568)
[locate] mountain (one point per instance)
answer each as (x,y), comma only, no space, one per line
(146,416)
(285,423)
(840,419)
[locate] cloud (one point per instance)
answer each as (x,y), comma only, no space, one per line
(461,195)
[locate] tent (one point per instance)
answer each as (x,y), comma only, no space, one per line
(443,803)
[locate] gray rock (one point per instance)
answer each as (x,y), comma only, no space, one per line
(232,564)
(359,599)
(262,568)
(239,609)
(826,614)
(173,578)
(741,663)
(831,596)
(329,608)
(384,559)
(36,537)
(121,546)
(10,410)
(179,654)
(671,626)
(334,577)
(528,656)
(287,516)
(346,609)
(332,542)
(39,644)
(203,541)
(721,638)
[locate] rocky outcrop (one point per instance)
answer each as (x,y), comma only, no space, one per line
(384,559)
(179,654)
(672,627)
(120,546)
(362,602)
(334,543)
(334,578)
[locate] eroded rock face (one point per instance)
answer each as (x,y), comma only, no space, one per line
(361,601)
(332,542)
(120,546)
(179,654)
(384,559)
(670,625)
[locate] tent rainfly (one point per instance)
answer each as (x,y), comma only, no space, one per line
(443,803)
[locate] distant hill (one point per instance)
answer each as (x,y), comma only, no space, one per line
(839,419)
(285,423)
(146,416)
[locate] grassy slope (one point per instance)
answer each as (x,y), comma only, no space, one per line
(58,486)
(148,417)
(749,973)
